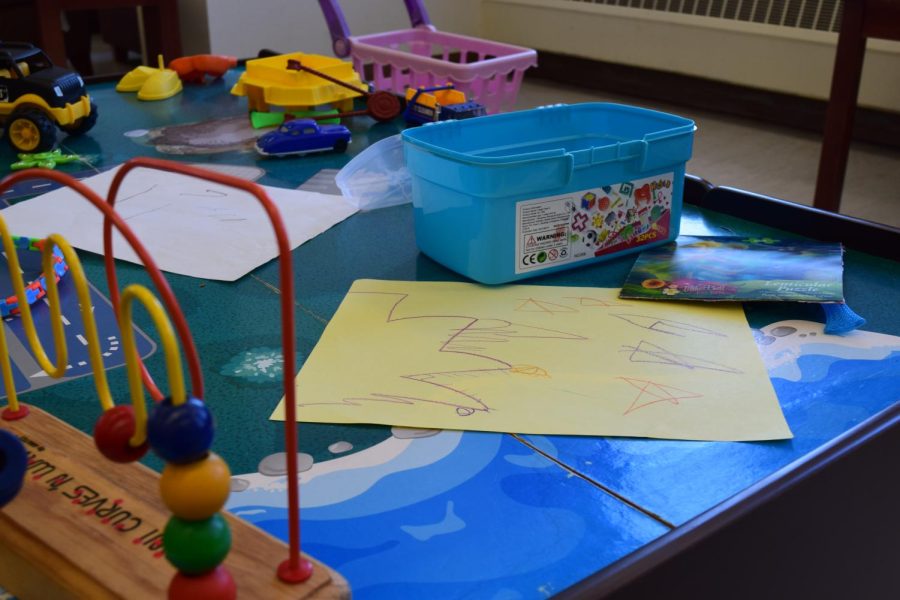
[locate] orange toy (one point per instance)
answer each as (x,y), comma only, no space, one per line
(192,69)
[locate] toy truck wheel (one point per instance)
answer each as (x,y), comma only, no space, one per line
(383,106)
(31,131)
(84,124)
(340,146)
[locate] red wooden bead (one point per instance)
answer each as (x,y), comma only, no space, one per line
(214,585)
(111,434)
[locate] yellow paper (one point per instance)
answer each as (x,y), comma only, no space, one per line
(536,359)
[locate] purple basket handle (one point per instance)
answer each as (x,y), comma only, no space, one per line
(418,16)
(337,27)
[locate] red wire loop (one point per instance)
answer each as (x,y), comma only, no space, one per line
(110,218)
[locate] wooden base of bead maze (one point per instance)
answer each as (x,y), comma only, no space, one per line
(84,527)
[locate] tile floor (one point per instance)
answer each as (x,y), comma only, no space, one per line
(768,159)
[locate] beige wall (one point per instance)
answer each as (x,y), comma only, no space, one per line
(242,27)
(194,27)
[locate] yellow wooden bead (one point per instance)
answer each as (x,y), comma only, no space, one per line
(196,490)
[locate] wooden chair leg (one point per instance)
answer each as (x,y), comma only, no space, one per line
(50,34)
(841,107)
(162,29)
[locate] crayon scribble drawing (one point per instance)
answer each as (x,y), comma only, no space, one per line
(649,393)
(537,359)
(190,226)
(645,352)
(532,305)
(665,325)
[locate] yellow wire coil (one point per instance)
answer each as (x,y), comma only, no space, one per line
(170,348)
(131,293)
(76,273)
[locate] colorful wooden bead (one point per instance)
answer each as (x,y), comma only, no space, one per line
(195,547)
(197,490)
(112,433)
(180,434)
(13,462)
(215,585)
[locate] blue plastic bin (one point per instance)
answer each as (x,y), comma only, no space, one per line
(515,195)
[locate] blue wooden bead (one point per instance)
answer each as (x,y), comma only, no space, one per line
(13,461)
(180,434)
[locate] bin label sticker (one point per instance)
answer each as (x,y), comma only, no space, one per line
(582,225)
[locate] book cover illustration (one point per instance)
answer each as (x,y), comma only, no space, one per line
(739,269)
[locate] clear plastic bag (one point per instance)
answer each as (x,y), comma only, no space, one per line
(377,177)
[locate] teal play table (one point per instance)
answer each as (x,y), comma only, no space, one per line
(425,514)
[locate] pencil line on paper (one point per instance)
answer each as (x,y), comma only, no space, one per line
(126,198)
(645,352)
(667,326)
(146,212)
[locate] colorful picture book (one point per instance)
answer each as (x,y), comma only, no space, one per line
(739,269)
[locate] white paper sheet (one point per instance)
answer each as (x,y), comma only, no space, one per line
(190,226)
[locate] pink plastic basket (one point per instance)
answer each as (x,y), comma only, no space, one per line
(488,72)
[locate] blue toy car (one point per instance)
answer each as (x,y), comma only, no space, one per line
(303,136)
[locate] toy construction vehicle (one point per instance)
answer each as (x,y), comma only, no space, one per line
(439,103)
(36,97)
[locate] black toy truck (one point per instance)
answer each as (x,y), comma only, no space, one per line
(36,97)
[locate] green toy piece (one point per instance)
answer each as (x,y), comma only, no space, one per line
(260,120)
(44,160)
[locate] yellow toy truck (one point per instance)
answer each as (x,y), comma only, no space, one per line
(36,97)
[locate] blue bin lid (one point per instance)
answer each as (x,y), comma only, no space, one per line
(541,149)
(591,132)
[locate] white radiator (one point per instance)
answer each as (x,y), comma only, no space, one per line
(781,45)
(821,15)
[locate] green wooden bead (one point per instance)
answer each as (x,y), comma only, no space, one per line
(196,546)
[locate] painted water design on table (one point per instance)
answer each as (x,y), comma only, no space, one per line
(825,384)
(450,515)
(481,515)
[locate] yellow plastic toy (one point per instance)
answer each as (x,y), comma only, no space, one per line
(444,97)
(151,83)
(268,82)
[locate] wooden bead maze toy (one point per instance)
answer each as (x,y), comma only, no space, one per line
(73,525)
